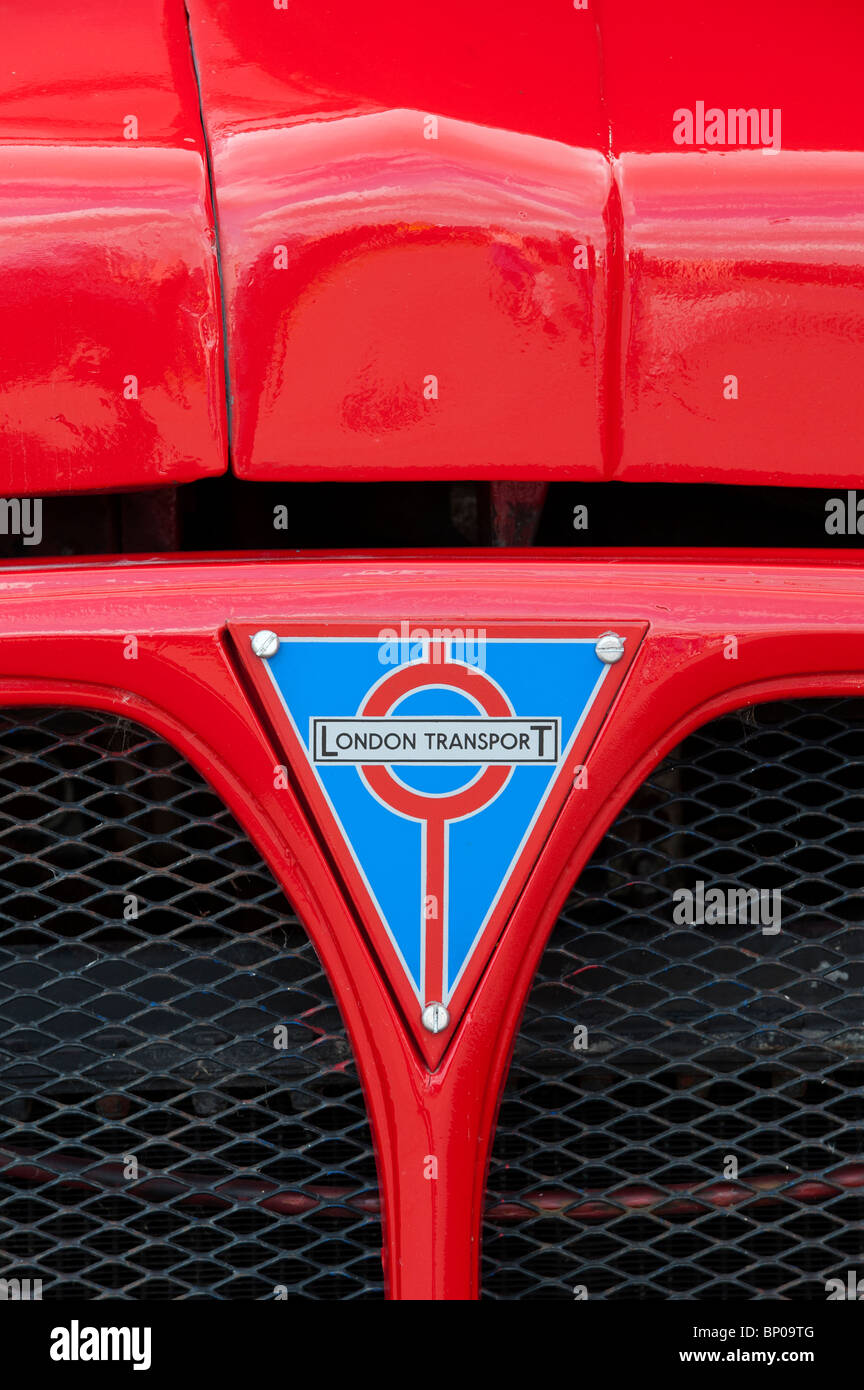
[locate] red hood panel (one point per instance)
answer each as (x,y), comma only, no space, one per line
(399,305)
(469,244)
(401,200)
(741,261)
(111,373)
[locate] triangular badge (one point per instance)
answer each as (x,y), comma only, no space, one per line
(435,761)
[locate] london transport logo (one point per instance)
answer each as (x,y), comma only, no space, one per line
(436,775)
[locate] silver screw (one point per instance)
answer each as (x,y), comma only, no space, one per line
(435,1018)
(610,648)
(265,643)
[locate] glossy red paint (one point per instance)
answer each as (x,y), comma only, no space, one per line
(800,628)
(400,201)
(107,254)
(550,287)
(368,268)
(739,262)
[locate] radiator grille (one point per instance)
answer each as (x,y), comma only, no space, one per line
(150,1037)
(610,1169)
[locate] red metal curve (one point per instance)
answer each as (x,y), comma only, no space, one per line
(800,629)
(479,254)
(111,374)
(435,269)
(411,219)
(739,259)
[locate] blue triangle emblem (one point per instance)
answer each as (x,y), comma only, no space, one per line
(436,756)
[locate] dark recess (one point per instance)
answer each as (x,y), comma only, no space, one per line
(227,514)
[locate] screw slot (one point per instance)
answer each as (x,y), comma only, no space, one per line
(265,643)
(435,1018)
(610,648)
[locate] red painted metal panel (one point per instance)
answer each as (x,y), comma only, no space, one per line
(552,286)
(107,253)
(739,259)
(362,259)
(401,198)
(799,622)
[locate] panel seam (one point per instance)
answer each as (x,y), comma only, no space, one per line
(217,239)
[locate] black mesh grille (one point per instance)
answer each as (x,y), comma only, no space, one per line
(153,1037)
(703,1041)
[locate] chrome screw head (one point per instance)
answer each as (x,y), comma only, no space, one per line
(435,1018)
(610,648)
(265,643)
